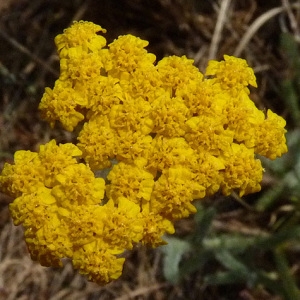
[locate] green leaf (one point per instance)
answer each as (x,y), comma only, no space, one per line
(289,286)
(235,243)
(196,261)
(279,238)
(203,218)
(270,197)
(290,47)
(174,251)
(291,97)
(224,278)
(231,263)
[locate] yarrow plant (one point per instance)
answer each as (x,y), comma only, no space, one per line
(164,133)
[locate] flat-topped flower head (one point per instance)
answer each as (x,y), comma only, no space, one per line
(151,139)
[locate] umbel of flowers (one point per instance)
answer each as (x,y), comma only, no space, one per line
(164,133)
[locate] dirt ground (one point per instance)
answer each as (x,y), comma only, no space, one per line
(201,30)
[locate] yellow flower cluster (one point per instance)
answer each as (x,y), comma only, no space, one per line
(153,137)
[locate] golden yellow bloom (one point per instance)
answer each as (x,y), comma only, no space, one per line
(207,171)
(242,171)
(52,240)
(76,186)
(270,136)
(126,54)
(176,72)
(243,118)
(42,253)
(144,83)
(152,138)
(47,241)
(233,74)
(123,223)
(207,134)
(97,141)
(73,69)
(130,181)
(61,104)
(168,152)
(204,98)
(154,229)
(174,192)
(131,146)
(102,93)
(169,115)
(24,176)
(132,115)
(85,224)
(81,34)
(98,264)
(55,158)
(33,209)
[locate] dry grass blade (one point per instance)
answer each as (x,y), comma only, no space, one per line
(294,24)
(27,52)
(142,291)
(252,30)
(223,14)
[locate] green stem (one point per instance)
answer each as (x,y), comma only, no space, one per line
(288,283)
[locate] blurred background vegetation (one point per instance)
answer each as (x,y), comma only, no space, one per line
(233,248)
